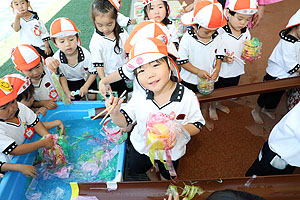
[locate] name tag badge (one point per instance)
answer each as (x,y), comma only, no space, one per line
(29,132)
(53,94)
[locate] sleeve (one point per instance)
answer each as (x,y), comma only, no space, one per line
(31,119)
(124,73)
(173,32)
(44,35)
(7,144)
(1,163)
(123,20)
(183,50)
(88,62)
(96,53)
(221,51)
(128,110)
(290,54)
(195,116)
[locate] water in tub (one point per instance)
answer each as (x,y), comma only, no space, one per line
(90,158)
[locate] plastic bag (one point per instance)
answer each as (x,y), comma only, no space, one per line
(205,86)
(251,49)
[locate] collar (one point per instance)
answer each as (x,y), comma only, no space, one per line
(193,34)
(177,94)
(63,58)
(285,36)
(102,34)
(16,115)
(227,29)
(34,15)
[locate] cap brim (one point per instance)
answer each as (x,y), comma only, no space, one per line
(8,98)
(143,59)
(188,18)
(172,50)
(26,67)
(64,34)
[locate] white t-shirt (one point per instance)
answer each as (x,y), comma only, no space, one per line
(199,54)
(29,34)
(285,58)
(183,103)
(173,32)
(45,89)
(233,44)
(103,54)
(284,138)
(12,134)
(81,70)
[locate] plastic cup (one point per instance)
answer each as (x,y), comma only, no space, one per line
(205,86)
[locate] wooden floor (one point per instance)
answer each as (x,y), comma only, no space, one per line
(230,149)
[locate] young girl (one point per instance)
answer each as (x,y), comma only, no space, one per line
(158,76)
(107,43)
(159,11)
(32,29)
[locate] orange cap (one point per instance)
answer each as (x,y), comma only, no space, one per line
(62,27)
(18,82)
(25,57)
(7,93)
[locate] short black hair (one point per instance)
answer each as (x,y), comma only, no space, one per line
(26,94)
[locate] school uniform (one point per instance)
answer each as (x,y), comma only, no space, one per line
(283,63)
(281,153)
(12,134)
(34,32)
(183,103)
(103,55)
(45,89)
(173,33)
(230,73)
(78,74)
(122,20)
(199,54)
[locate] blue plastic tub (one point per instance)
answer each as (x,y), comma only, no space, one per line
(13,185)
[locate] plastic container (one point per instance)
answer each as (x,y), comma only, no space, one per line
(205,86)
(251,49)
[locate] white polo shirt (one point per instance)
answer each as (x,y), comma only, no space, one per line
(284,138)
(45,89)
(79,71)
(12,135)
(103,54)
(285,58)
(173,32)
(123,20)
(27,31)
(183,103)
(199,54)
(233,44)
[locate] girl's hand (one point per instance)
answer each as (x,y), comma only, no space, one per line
(49,104)
(47,50)
(69,97)
(28,170)
(48,143)
(203,74)
(61,127)
(104,89)
(214,75)
(83,91)
(113,101)
(41,110)
(230,58)
(52,63)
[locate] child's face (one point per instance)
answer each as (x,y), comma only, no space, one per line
(203,33)
(156,10)
(8,111)
(67,44)
(238,21)
(154,76)
(35,73)
(105,23)
(28,102)
(20,5)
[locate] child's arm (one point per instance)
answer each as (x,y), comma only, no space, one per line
(84,89)
(217,69)
(192,129)
(64,84)
(201,73)
(30,147)
(41,110)
(55,123)
(48,50)
(16,25)
(40,129)
(52,64)
(27,170)
(49,104)
(104,82)
(116,116)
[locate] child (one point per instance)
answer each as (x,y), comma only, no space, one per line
(72,60)
(29,62)
(159,11)
(239,13)
(158,76)
(25,91)
(145,29)
(281,153)
(32,29)
(107,42)
(200,50)
(18,122)
(284,62)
